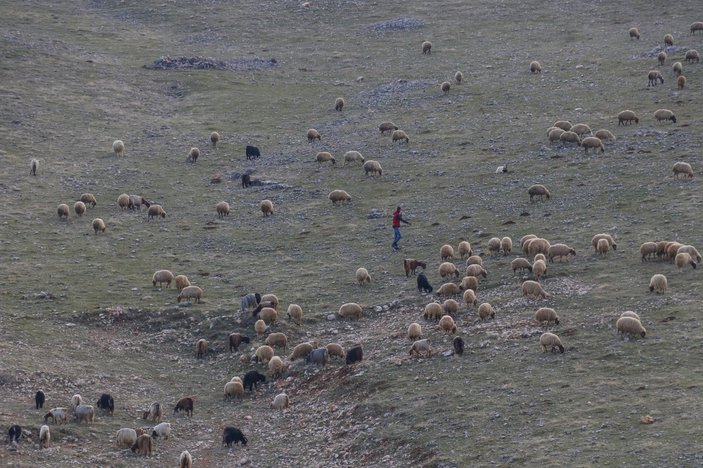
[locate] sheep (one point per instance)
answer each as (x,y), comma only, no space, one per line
(235,339)
(350,310)
(387,127)
(555,134)
(126,437)
(155,211)
(339,196)
(39,399)
(540,256)
(534,289)
(335,350)
(474,260)
(602,247)
(464,249)
(190,292)
(56,414)
(521,264)
(89,198)
(161,277)
(551,341)
(325,156)
(634,33)
(260,327)
(201,348)
(445,86)
(234,390)
(118,147)
(563,124)
(538,190)
(76,400)
(664,114)
(136,202)
(106,403)
(581,129)
(98,225)
(672,248)
(414,331)
(410,265)
(154,413)
(79,208)
(677,68)
(266,207)
(592,142)
(433,311)
(450,306)
(446,323)
(193,155)
(143,445)
(373,167)
(629,313)
(423,285)
(485,310)
(448,289)
(186,405)
(222,209)
(84,413)
(458,77)
(604,134)
(494,245)
(277,339)
(570,137)
(14,434)
(648,250)
(546,314)
(682,259)
(318,356)
(661,248)
(697,26)
(276,367)
(232,435)
(653,76)
(692,55)
(214,138)
(181,281)
(33,166)
(535,67)
(469,282)
(525,238)
(352,156)
(475,270)
(658,283)
(313,135)
(559,251)
(470,297)
(668,40)
(162,430)
(268,315)
(682,168)
(630,326)
(506,245)
(280,401)
(339,104)
(427,47)
(626,117)
(661,57)
(362,276)
(421,346)
(252,152)
(448,269)
(301,351)
(185,460)
(295,313)
(270,299)
(502,169)
(446,252)
(400,135)
(538,245)
(44,437)
(681,82)
(539,269)
(690,250)
(123,201)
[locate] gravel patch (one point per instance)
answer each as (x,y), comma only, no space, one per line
(208,63)
(397,24)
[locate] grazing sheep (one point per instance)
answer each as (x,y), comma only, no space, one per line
(126,437)
(123,201)
(189,293)
(325,156)
(193,155)
(118,147)
(44,437)
(339,104)
(626,117)
(545,314)
(260,327)
(268,315)
(89,198)
(581,129)
(692,55)
(414,331)
(592,142)
(538,190)
(372,167)
(469,282)
(400,135)
(458,77)
(538,245)
(234,390)
(447,324)
(155,211)
(683,168)
(301,351)
(658,283)
(362,276)
(525,238)
(76,400)
(604,134)
(79,208)
(186,405)
(353,156)
(106,403)
(672,248)
(318,356)
(33,166)
(506,245)
(521,264)
(475,270)
(335,350)
(84,413)
(448,289)
(55,414)
(421,347)
(661,248)
(474,260)
(563,124)
(661,58)
(634,33)
(143,445)
(410,265)
(433,311)
(161,277)
(232,435)
(630,326)
(485,310)
(668,40)
(559,251)
(270,300)
(350,310)
(445,86)
(494,245)
(555,134)
(464,249)
(570,137)
(387,127)
(690,250)
(677,68)
(280,401)
(648,250)
(252,152)
(276,367)
(681,82)
(277,339)
(235,339)
(427,47)
(551,341)
(162,430)
(222,209)
(214,138)
(181,281)
(313,135)
(664,114)
(154,413)
(608,237)
(602,247)
(136,202)
(653,76)
(682,259)
(448,269)
(98,225)
(535,67)
(339,196)
(540,256)
(295,313)
(697,26)
(534,289)
(185,460)
(423,285)
(470,297)
(39,399)
(446,252)
(201,348)
(266,207)
(629,313)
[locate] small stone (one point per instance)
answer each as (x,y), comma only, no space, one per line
(331,317)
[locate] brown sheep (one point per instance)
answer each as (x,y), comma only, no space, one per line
(387,127)
(446,252)
(445,86)
(427,47)
(535,67)
(339,104)
(399,135)
(448,269)
(266,207)
(538,190)
(313,135)
(201,348)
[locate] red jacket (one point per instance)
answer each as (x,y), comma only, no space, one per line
(396,218)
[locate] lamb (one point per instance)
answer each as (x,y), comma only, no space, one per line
(630,326)
(423,285)
(335,350)
(350,310)
(485,310)
(570,137)
(373,167)
(433,311)
(214,138)
(162,430)
(604,134)
(155,211)
(682,259)
(362,276)
(222,209)
(143,445)
(410,265)
(118,147)
(629,313)
(277,339)
(189,293)
(469,282)
(186,405)
(602,247)
(521,264)
(535,67)
(690,250)
(106,403)
(318,356)
(626,117)
(193,155)
(470,297)
(232,435)
(677,68)
(266,207)
(339,104)
(559,251)
(534,289)
(400,135)
(354,355)
(551,341)
(563,124)
(421,347)
(664,114)
(276,367)
(661,58)
(126,437)
(445,86)
(427,47)
(387,127)
(448,289)
(55,414)
(538,190)
(268,315)
(648,250)
(201,348)
(84,413)
(280,401)
(592,142)
(474,260)
(295,313)
(683,168)
(681,82)
(458,77)
(154,413)
(447,324)
(325,156)
(546,314)
(653,76)
(44,437)
(414,331)
(98,225)
(581,129)
(506,245)
(89,198)
(634,33)
(234,390)
(33,166)
(555,134)
(446,252)
(476,270)
(79,208)
(313,135)
(658,284)
(185,460)
(692,55)
(494,245)
(339,196)
(39,399)
(352,156)
(697,26)
(448,269)
(123,201)
(668,40)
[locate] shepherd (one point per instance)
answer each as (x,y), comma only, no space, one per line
(397,219)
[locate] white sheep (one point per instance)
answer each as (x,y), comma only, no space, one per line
(154,413)
(560,251)
(445,86)
(604,134)
(494,245)
(373,167)
(448,289)
(162,430)
(668,40)
(260,327)
(534,289)
(126,437)
(602,247)
(264,354)
(677,68)
(295,313)
(474,260)
(301,351)
(352,156)
(433,311)
(98,225)
(629,313)
(161,277)
(630,326)
(33,166)
(339,196)
(350,310)
(421,347)
(682,168)
(280,401)
(690,250)
(268,314)
(234,390)
(277,339)
(634,33)
(546,314)
(414,331)
(118,147)
(692,55)
(654,76)
(458,77)
(44,437)
(362,276)
(400,135)
(214,138)
(664,114)
(470,297)
(555,134)
(325,156)
(387,127)
(697,26)
(63,211)
(427,47)
(123,201)
(335,350)
(506,245)
(76,400)
(485,310)
(464,249)
(201,347)
(683,259)
(55,414)
(475,270)
(539,268)
(266,207)
(276,366)
(592,142)
(550,341)
(469,282)
(626,117)
(681,82)
(84,413)
(570,137)
(661,58)
(189,293)
(581,129)
(446,252)
(648,250)
(448,269)
(446,323)
(314,135)
(193,155)
(222,209)
(563,124)
(521,264)
(181,281)
(79,208)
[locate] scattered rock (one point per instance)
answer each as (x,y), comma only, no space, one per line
(208,63)
(397,24)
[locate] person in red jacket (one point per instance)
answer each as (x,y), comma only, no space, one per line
(397,219)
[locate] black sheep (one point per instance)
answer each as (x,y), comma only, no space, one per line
(252,379)
(356,354)
(246,180)
(253,152)
(106,403)
(184,404)
(39,399)
(423,284)
(232,435)
(458,345)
